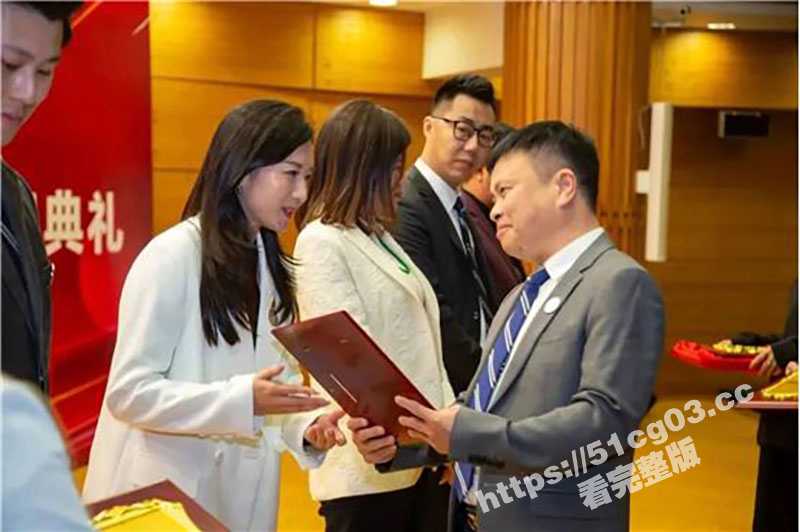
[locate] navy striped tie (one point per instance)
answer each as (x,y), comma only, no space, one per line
(491,371)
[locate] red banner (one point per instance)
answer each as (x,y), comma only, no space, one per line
(86,153)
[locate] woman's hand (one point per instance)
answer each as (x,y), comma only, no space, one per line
(277,398)
(324,433)
(371,441)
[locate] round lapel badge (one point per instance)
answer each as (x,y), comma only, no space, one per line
(551,305)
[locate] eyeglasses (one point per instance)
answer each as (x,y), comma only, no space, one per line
(463,131)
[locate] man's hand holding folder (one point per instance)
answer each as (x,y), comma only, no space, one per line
(433,427)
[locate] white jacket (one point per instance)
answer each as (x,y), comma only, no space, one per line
(344,269)
(180,409)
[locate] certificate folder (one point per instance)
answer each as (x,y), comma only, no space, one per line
(352,368)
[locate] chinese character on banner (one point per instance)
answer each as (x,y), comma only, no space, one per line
(594,492)
(653,468)
(683,455)
(102,227)
(63,224)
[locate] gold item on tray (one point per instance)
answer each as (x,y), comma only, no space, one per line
(783,390)
(726,348)
(150,514)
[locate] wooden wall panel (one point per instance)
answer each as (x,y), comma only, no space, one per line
(209,57)
(725,69)
(585,63)
(241,42)
(170,196)
(370,51)
(732,238)
(186,114)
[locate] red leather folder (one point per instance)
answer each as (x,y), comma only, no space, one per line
(351,367)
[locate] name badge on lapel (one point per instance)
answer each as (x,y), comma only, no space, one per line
(551,305)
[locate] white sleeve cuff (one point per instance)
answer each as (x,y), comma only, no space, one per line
(294,429)
(246,421)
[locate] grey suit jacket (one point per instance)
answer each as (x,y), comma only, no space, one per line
(581,373)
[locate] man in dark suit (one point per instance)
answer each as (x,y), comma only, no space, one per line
(432,225)
(33,36)
(776,489)
(503,272)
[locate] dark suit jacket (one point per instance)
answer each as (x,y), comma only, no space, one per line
(779,428)
(502,272)
(26,285)
(425,232)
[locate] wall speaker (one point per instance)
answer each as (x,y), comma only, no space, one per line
(742,124)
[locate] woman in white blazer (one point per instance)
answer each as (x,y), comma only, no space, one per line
(348,260)
(199,392)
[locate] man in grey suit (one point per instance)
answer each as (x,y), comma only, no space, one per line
(568,365)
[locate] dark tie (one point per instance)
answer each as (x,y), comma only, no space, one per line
(469,250)
(490,373)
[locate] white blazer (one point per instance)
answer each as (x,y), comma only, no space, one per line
(180,409)
(344,269)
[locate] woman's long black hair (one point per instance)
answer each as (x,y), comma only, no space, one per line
(255,134)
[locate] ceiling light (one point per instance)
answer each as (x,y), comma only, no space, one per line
(383,3)
(669,24)
(721,26)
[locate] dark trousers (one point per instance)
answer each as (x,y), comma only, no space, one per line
(420,508)
(776,491)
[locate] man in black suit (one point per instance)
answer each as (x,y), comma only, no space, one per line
(432,226)
(33,36)
(776,489)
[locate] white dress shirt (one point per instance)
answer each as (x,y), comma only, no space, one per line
(447,195)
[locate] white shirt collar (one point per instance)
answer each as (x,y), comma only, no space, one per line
(561,261)
(446,194)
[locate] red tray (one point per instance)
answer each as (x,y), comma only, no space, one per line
(704,356)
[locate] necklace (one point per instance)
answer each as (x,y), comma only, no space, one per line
(401,263)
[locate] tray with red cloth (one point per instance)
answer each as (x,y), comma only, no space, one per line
(708,357)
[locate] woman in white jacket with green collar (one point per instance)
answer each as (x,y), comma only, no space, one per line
(199,391)
(349,261)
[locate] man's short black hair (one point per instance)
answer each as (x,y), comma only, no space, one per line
(472,85)
(572,148)
(501,131)
(55,11)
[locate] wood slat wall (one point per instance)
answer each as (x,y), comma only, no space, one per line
(209,57)
(585,63)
